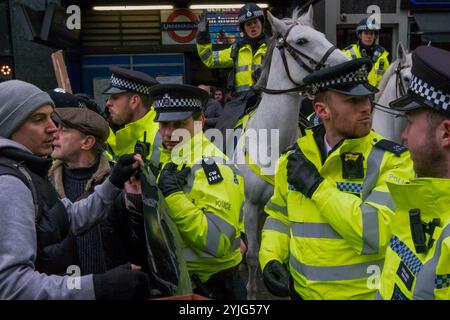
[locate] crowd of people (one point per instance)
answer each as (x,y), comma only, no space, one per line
(80,186)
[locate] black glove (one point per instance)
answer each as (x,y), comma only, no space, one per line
(121,283)
(302,173)
(171,180)
(123,170)
(202,29)
(276,279)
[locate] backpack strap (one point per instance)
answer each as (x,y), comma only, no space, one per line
(17,170)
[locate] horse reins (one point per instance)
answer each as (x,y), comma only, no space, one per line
(296,54)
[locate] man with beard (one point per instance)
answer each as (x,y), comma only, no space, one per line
(417,264)
(329,217)
(244,57)
(366,47)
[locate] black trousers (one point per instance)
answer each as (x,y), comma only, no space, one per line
(224,285)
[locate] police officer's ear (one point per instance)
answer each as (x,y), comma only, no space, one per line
(444,134)
(200,117)
(320,105)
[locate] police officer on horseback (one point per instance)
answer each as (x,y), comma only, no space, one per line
(367,32)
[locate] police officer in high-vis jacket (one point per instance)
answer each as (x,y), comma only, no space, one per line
(204,192)
(131,115)
(329,216)
(417,264)
(244,57)
(367,32)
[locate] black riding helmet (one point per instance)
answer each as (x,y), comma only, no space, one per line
(248,12)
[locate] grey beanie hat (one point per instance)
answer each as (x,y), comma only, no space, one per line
(18,100)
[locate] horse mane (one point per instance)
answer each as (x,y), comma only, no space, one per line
(390,72)
(267,61)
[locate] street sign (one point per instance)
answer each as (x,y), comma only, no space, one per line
(425,4)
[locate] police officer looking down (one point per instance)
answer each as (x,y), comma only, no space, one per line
(417,264)
(36,226)
(204,194)
(244,57)
(329,217)
(367,32)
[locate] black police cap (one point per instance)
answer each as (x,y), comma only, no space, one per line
(430,84)
(176,102)
(126,80)
(348,78)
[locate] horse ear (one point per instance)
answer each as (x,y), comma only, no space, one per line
(308,18)
(278,26)
(401,52)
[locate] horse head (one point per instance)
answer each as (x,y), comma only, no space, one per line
(298,49)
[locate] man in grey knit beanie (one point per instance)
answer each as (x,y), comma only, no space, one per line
(18,100)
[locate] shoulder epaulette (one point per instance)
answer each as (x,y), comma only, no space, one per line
(291,147)
(391,146)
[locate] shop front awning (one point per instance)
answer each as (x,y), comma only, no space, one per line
(433,26)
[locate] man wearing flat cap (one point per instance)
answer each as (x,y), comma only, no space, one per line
(79,167)
(204,192)
(132,115)
(329,217)
(417,264)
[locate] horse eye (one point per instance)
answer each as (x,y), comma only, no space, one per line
(302,41)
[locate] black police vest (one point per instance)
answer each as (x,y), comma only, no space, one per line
(55,242)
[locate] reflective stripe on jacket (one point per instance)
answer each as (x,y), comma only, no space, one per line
(124,140)
(247,62)
(408,274)
(209,216)
(380,62)
(336,240)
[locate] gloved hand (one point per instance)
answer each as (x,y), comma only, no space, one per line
(302,173)
(276,279)
(171,180)
(121,283)
(202,29)
(123,170)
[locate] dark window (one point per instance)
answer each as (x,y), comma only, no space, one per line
(361,6)
(5,46)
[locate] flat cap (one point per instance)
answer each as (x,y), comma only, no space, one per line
(84,120)
(430,84)
(176,102)
(126,80)
(348,78)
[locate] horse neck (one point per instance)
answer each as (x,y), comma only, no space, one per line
(278,111)
(389,92)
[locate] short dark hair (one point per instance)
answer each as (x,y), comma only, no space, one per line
(321,96)
(435,117)
(196,115)
(144,98)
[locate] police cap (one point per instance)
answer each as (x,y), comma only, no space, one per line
(348,78)
(83,120)
(176,102)
(125,80)
(430,83)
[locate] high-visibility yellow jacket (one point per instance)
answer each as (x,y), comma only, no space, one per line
(123,141)
(246,61)
(408,274)
(380,61)
(209,215)
(336,240)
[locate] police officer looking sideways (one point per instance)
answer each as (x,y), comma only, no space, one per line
(204,194)
(36,226)
(417,264)
(367,32)
(329,217)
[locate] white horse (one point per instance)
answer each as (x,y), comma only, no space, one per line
(295,50)
(393,85)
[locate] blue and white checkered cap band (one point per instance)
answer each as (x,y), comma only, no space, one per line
(129,85)
(169,103)
(249,15)
(430,93)
(357,76)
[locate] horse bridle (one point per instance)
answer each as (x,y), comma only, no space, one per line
(299,57)
(399,84)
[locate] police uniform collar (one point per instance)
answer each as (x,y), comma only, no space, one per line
(125,80)
(176,102)
(348,78)
(430,84)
